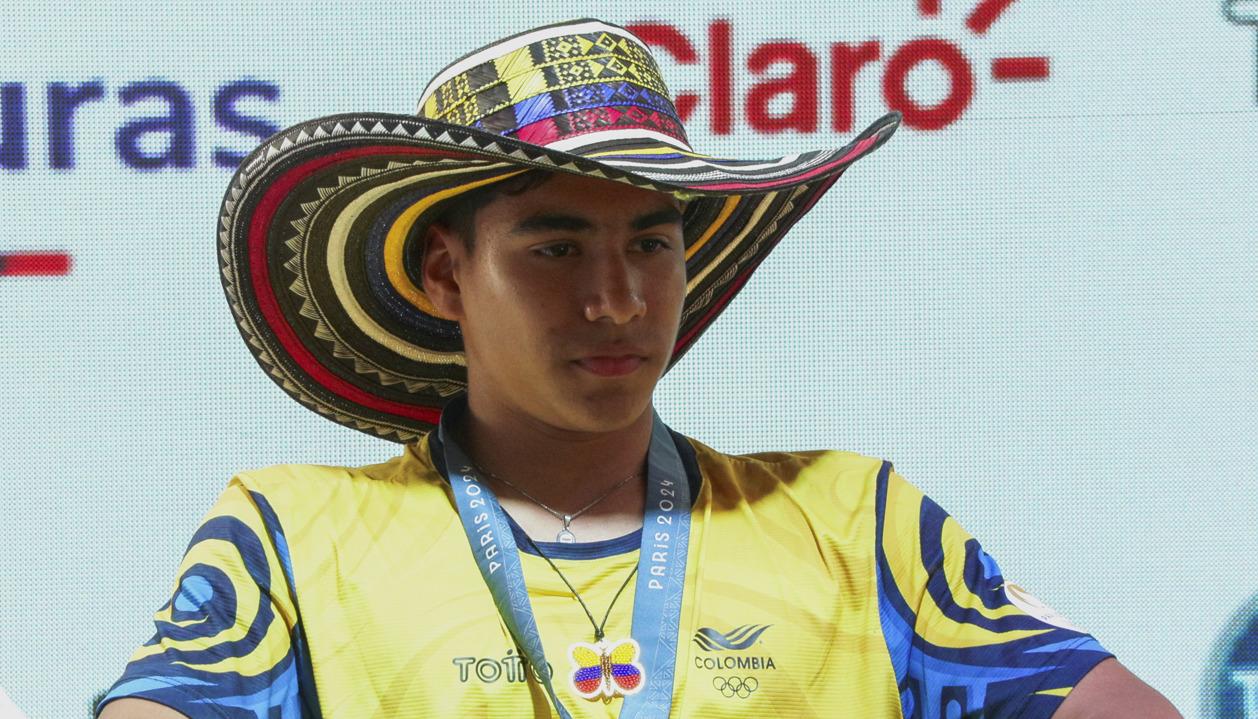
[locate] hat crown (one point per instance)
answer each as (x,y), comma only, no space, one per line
(571,87)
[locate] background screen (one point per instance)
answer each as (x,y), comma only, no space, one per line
(1038,299)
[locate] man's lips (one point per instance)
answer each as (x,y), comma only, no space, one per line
(611,366)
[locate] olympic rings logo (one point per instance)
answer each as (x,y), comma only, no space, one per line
(735,686)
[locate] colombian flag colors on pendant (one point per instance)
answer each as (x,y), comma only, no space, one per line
(606,670)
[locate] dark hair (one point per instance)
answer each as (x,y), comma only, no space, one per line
(460,214)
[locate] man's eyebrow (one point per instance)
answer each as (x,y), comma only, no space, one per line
(666,216)
(551,221)
(556,221)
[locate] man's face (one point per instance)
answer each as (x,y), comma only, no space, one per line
(571,301)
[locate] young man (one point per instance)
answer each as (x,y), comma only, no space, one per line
(502,294)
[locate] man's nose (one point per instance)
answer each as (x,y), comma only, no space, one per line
(615,291)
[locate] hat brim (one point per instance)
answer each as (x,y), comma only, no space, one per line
(319,235)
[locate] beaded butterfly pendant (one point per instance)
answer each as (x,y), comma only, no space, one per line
(606,669)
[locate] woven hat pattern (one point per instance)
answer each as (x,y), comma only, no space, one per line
(558,88)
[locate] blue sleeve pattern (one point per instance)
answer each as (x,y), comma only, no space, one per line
(959,646)
(228,643)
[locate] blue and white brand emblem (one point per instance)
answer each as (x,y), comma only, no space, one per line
(727,651)
(1231,682)
(710,640)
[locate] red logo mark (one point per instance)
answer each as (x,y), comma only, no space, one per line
(13,264)
(803,80)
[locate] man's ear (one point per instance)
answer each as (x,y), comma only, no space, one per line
(443,250)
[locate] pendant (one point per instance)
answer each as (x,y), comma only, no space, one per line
(606,669)
(565,535)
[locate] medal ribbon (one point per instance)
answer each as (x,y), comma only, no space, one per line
(661,567)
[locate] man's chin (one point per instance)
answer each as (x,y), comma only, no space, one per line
(605,409)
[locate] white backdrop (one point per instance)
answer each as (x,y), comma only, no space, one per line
(1042,309)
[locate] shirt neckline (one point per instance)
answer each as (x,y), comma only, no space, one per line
(623,544)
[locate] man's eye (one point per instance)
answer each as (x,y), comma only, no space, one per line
(653,244)
(560,250)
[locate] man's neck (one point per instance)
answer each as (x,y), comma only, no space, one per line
(563,469)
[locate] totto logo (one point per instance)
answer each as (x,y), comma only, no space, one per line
(845,61)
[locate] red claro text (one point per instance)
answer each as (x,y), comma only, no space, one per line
(803,79)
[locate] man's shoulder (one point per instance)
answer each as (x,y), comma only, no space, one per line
(297,485)
(802,458)
(796,468)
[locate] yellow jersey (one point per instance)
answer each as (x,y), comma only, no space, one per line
(818,584)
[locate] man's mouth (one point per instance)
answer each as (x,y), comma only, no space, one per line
(611,366)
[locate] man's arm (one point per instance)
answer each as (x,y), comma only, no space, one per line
(224,638)
(952,606)
(131,708)
(1112,692)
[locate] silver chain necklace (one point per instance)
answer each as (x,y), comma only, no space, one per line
(565,535)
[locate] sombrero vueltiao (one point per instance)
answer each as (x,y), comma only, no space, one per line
(320,229)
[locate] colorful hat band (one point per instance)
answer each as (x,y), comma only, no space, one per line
(554,89)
